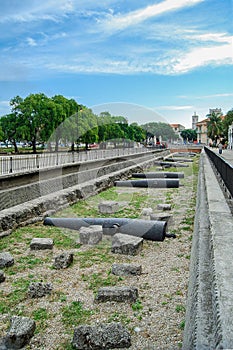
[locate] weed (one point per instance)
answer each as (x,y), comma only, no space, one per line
(12,299)
(180,308)
(40,316)
(182,324)
(98,254)
(137,306)
(118,317)
(96,280)
(74,314)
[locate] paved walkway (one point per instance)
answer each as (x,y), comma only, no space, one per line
(227,154)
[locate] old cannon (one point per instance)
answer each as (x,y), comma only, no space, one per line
(147,229)
(159,175)
(149,183)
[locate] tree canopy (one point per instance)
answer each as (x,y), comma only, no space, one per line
(215,127)
(38,119)
(160,129)
(189,135)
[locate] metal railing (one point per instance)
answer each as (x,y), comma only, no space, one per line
(224,168)
(21,163)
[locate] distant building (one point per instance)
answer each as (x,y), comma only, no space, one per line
(215,110)
(177,128)
(194,121)
(201,128)
(230,137)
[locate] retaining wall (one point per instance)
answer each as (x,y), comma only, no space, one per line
(62,191)
(209,320)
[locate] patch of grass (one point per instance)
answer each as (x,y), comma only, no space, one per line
(9,301)
(119,317)
(97,280)
(74,314)
(40,316)
(180,308)
(137,306)
(98,254)
(182,324)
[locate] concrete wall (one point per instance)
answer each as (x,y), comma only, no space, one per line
(209,320)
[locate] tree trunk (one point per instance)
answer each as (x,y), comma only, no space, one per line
(15,146)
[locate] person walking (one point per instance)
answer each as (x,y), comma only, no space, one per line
(220,148)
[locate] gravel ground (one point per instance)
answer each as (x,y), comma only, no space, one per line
(156,322)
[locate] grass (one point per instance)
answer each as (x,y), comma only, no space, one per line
(74,314)
(41,316)
(137,306)
(10,300)
(95,255)
(97,280)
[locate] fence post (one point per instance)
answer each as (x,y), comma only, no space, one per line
(37,161)
(11,164)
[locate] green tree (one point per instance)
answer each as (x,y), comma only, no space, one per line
(160,129)
(227,121)
(214,127)
(189,135)
(10,126)
(33,117)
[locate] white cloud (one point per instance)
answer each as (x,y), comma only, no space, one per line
(31,42)
(202,56)
(227,94)
(138,16)
(173,108)
(33,10)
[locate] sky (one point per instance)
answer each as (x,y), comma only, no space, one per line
(147,60)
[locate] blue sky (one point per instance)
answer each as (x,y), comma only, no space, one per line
(169,58)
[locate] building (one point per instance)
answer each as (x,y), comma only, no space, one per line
(177,128)
(230,137)
(194,121)
(215,110)
(201,128)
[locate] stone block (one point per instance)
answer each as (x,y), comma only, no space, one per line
(164,207)
(63,260)
(101,337)
(162,217)
(91,235)
(117,294)
(146,211)
(20,332)
(41,243)
(39,289)
(126,269)
(108,207)
(6,259)
(2,276)
(126,244)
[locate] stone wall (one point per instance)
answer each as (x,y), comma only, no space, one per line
(62,191)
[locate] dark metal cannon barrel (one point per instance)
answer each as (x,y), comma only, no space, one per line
(159,175)
(148,229)
(171,164)
(149,183)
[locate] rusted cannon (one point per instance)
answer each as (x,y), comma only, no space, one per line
(159,175)
(148,229)
(149,183)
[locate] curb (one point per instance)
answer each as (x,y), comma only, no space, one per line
(209,321)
